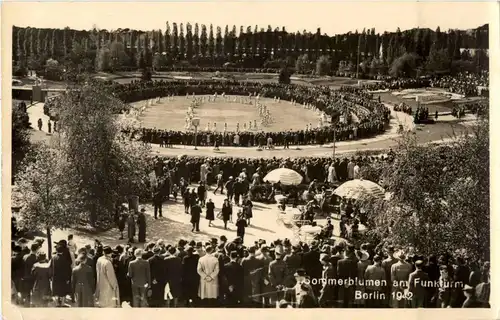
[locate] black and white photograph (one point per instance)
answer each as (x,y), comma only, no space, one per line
(259,155)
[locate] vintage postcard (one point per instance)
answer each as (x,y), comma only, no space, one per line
(248,155)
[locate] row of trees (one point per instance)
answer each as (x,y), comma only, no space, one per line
(250,47)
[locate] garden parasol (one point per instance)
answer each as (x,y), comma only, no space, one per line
(285,176)
(358,188)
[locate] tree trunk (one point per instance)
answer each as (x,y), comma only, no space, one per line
(49,243)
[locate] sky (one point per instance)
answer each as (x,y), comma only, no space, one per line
(332,17)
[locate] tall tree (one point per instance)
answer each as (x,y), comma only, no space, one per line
(211,42)
(43,189)
(203,41)
(196,40)
(219,50)
(175,41)
(182,42)
(167,39)
(105,166)
(189,42)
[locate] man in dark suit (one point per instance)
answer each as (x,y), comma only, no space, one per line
(312,264)
(252,269)
(139,273)
(173,272)
(27,280)
(190,277)
(233,274)
(195,217)
(347,270)
(293,262)
(157,267)
(157,201)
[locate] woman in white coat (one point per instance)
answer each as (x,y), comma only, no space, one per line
(208,269)
(107,293)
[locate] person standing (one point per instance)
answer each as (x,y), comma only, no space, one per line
(387,265)
(190,277)
(247,209)
(186,196)
(131,226)
(227,212)
(241,225)
(220,182)
(230,188)
(195,217)
(40,123)
(208,269)
(27,281)
(233,274)
(141,223)
(60,273)
(158,202)
(122,221)
(158,278)
(49,126)
(202,193)
(210,212)
(347,269)
(173,276)
(400,272)
(41,293)
(416,283)
(139,273)
(107,292)
(82,283)
(374,274)
(277,275)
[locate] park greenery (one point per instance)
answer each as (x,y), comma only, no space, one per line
(368,54)
(440,198)
(80,180)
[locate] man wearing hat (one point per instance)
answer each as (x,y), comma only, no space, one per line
(82,283)
(400,273)
(251,267)
(471,300)
(190,277)
(347,272)
(139,273)
(233,276)
(293,262)
(61,275)
(173,276)
(387,264)
(158,278)
(277,274)
(27,281)
(326,299)
(417,284)
(375,274)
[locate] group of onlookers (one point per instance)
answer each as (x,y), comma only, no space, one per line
(324,273)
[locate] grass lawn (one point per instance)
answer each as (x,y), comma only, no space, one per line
(171,114)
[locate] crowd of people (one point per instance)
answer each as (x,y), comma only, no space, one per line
(230,273)
(396,84)
(181,171)
(325,99)
(467,84)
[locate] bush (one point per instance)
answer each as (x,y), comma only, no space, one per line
(20,71)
